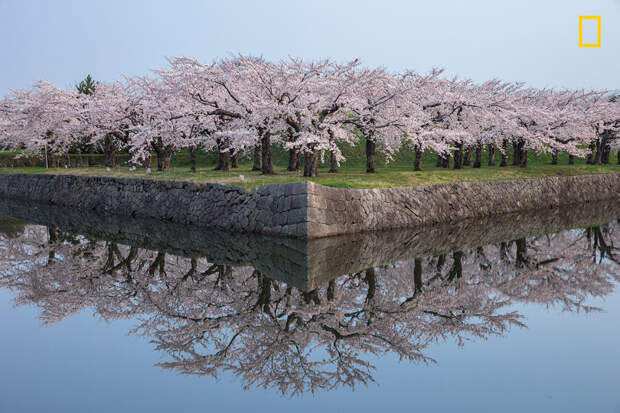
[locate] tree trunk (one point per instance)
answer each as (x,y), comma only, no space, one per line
(333,163)
(456,271)
(554,157)
(311,163)
(147,162)
(293,160)
(441,260)
(605,150)
(256,166)
(523,158)
(606,155)
(371,280)
(52,239)
(417,163)
(222,161)
(571,159)
(467,157)
(491,149)
(234,159)
(266,153)
(167,157)
(521,260)
(592,147)
(478,156)
(160,159)
(110,152)
(618,157)
(516,153)
(445,161)
(371,149)
(417,275)
(504,161)
(192,158)
(522,154)
(458,157)
(598,156)
(223,154)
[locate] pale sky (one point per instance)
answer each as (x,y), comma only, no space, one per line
(516,40)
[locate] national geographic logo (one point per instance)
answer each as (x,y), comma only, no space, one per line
(589,31)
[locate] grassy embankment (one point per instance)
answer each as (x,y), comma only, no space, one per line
(351,174)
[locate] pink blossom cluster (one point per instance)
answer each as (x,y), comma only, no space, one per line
(308,106)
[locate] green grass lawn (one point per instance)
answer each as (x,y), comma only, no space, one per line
(352,174)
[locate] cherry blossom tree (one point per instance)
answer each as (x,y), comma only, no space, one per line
(384,110)
(226,96)
(43,120)
(602,114)
(244,105)
(168,123)
(108,116)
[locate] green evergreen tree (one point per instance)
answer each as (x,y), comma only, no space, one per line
(87,86)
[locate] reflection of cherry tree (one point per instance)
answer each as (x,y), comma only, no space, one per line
(211,318)
(274,335)
(563,269)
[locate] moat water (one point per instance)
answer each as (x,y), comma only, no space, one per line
(515,313)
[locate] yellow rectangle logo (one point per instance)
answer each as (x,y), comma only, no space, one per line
(598,28)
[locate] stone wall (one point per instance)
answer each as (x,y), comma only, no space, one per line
(305,209)
(271,209)
(334,211)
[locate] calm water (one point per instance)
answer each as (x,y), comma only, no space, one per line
(517,313)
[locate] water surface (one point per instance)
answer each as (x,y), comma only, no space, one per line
(513,313)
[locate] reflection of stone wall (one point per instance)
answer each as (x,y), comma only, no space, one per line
(330,257)
(280,258)
(306,264)
(305,209)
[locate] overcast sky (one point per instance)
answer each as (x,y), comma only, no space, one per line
(531,41)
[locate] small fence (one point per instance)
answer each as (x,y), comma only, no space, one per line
(73,160)
(12,160)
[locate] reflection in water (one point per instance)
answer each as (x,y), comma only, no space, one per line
(304,315)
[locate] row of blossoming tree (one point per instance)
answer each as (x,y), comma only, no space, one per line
(245,105)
